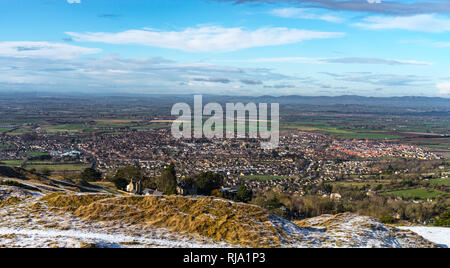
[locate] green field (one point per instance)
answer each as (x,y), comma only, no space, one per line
(113,126)
(151,126)
(264,177)
(358,184)
(5,130)
(419,193)
(34,154)
(65,128)
(325,128)
(39,165)
(14,163)
(20,131)
(443,181)
(58,167)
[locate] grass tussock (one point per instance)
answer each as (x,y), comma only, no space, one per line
(71,202)
(10,201)
(221,220)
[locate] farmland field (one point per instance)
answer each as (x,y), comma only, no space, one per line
(14,163)
(57,167)
(443,181)
(263,177)
(39,165)
(420,193)
(34,154)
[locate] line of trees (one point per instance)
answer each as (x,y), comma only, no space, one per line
(166,183)
(385,209)
(205,183)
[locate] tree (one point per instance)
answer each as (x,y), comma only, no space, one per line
(150,183)
(208,181)
(244,194)
(326,188)
(90,174)
(167,182)
(130,173)
(124,175)
(273,203)
(444,220)
(46,172)
(120,183)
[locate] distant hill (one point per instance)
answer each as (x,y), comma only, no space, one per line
(344,100)
(405,101)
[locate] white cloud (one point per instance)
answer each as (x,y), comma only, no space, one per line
(444,88)
(345,60)
(113,73)
(74,1)
(303,13)
(207,39)
(24,49)
(423,23)
(442,44)
(359,60)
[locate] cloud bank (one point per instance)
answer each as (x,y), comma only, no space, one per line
(393,7)
(444,88)
(304,13)
(206,39)
(423,23)
(342,60)
(24,49)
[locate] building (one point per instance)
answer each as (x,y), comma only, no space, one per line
(134,187)
(186,189)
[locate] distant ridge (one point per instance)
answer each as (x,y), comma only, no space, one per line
(400,101)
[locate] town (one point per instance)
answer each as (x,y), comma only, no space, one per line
(389,169)
(301,159)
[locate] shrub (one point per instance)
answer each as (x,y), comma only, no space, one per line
(46,172)
(167,182)
(244,194)
(444,220)
(120,183)
(130,173)
(206,182)
(388,219)
(90,174)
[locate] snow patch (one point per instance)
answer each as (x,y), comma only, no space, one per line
(438,235)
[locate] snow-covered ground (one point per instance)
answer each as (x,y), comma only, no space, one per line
(351,230)
(23,226)
(75,238)
(438,235)
(31,223)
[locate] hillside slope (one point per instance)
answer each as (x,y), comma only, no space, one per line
(40,183)
(101,220)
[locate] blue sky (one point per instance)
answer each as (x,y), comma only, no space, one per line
(245,47)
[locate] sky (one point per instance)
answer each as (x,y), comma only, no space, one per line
(229,47)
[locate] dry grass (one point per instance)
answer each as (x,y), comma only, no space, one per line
(221,220)
(71,202)
(10,201)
